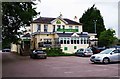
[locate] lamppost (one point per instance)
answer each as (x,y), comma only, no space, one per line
(95,24)
(95,29)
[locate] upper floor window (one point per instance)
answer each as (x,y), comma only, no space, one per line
(53,28)
(38,28)
(58,26)
(81,40)
(63,26)
(70,27)
(45,28)
(76,27)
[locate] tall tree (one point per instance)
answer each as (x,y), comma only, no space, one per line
(107,38)
(15,15)
(89,18)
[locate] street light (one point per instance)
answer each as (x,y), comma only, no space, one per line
(95,24)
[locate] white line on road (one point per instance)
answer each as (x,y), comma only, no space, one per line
(68,72)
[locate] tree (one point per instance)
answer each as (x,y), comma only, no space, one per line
(107,38)
(15,15)
(88,18)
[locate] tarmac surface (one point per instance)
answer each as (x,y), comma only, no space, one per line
(14,65)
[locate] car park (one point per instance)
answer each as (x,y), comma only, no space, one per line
(84,52)
(38,54)
(106,56)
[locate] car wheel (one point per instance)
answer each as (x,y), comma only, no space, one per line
(106,60)
(31,56)
(45,57)
(82,55)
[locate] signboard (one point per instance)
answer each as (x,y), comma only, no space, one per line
(67,30)
(26,39)
(58,22)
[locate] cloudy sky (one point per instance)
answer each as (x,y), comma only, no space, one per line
(71,8)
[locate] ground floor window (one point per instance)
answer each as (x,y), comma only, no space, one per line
(83,40)
(61,41)
(75,47)
(65,48)
(68,42)
(40,44)
(47,41)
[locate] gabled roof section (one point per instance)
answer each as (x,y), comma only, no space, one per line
(71,35)
(47,20)
(59,19)
(71,22)
(44,20)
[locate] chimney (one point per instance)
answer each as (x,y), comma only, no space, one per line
(75,19)
(61,15)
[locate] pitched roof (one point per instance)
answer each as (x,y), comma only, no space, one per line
(70,34)
(47,20)
(26,35)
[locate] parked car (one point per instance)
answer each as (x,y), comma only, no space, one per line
(106,56)
(116,46)
(97,49)
(84,52)
(6,50)
(38,54)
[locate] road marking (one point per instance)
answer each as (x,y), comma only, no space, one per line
(68,72)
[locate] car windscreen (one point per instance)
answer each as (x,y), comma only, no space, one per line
(107,51)
(89,50)
(80,50)
(40,51)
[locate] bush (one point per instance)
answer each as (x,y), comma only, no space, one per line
(56,52)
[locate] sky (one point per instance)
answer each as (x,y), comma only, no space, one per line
(71,8)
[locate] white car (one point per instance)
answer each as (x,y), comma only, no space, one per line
(106,56)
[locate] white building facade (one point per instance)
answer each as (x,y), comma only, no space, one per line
(51,32)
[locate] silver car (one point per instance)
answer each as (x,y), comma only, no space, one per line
(106,56)
(84,52)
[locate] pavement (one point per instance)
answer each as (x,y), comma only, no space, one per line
(14,65)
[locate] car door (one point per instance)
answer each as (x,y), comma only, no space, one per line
(119,55)
(114,56)
(89,51)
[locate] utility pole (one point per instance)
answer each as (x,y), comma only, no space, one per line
(95,24)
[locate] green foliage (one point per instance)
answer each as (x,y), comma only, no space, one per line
(107,38)
(116,42)
(15,15)
(56,52)
(88,21)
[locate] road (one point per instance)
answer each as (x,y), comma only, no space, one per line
(14,65)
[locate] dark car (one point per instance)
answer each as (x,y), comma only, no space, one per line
(6,50)
(97,50)
(38,54)
(116,46)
